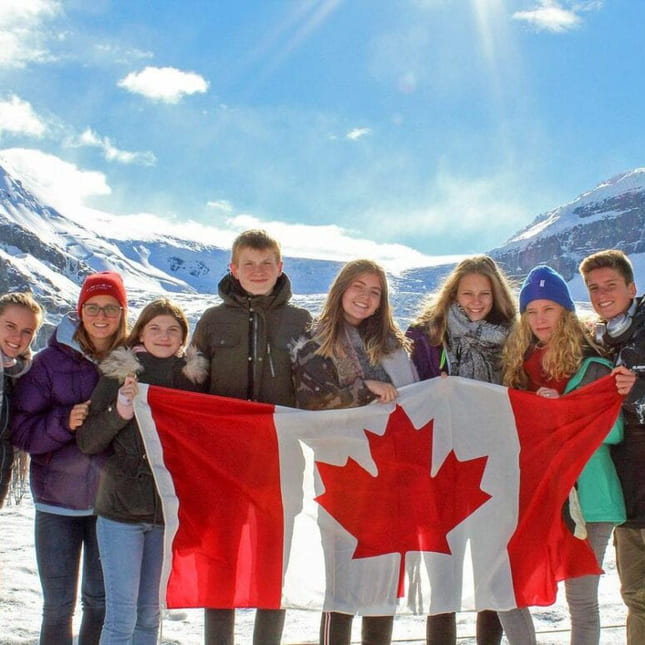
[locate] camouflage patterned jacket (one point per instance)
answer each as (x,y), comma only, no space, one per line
(325,383)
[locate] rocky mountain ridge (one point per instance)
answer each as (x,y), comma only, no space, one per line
(42,249)
(612,215)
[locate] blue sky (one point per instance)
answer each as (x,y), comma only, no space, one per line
(396,129)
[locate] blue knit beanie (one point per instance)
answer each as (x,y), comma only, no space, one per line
(545,283)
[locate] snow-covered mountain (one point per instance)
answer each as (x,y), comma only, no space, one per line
(612,215)
(42,249)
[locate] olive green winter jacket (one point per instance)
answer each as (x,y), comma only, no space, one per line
(246,341)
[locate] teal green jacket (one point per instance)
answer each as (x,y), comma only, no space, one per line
(599,490)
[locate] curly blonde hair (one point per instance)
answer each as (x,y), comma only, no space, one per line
(379,332)
(566,349)
(434,313)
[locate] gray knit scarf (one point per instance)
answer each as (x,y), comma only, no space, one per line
(355,363)
(474,348)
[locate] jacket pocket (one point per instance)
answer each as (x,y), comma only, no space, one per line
(224,336)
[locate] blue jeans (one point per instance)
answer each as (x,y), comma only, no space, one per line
(131,555)
(59,540)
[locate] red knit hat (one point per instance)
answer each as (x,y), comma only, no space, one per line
(105,283)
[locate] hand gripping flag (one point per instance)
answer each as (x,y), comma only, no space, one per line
(370,509)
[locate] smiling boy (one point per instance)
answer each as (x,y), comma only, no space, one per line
(609,277)
(245,340)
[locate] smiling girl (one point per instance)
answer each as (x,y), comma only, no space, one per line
(20,318)
(550,353)
(50,403)
(354,354)
(461,331)
(130,525)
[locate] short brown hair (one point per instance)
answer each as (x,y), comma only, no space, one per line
(158,307)
(610,258)
(257,239)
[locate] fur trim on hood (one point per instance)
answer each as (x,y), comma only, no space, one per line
(123,361)
(295,345)
(120,363)
(196,368)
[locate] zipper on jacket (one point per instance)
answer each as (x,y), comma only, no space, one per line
(270,359)
(253,348)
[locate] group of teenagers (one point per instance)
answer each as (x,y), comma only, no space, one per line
(70,406)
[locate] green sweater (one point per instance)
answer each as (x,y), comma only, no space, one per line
(599,489)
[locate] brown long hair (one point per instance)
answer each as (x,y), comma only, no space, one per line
(158,307)
(380,332)
(434,313)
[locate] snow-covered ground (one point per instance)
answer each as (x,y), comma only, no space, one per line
(20,603)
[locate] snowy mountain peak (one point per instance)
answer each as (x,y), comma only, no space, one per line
(611,215)
(50,253)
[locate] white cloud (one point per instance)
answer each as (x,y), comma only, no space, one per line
(111,152)
(332,242)
(18,117)
(221,205)
(550,15)
(166,84)
(357,133)
(66,187)
(21,40)
(117,53)
(297,240)
(16,12)
(56,182)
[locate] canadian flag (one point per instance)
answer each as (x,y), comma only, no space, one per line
(373,509)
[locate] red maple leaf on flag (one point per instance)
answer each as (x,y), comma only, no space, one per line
(403,508)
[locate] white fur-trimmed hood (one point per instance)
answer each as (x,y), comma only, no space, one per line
(123,362)
(196,368)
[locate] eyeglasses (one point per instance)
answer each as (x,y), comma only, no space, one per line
(110,311)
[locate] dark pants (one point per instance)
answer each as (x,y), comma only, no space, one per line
(441,629)
(336,629)
(59,542)
(219,626)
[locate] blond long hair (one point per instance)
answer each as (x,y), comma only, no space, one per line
(566,349)
(434,313)
(379,332)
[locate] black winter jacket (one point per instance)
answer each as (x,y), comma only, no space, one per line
(127,492)
(629,456)
(246,341)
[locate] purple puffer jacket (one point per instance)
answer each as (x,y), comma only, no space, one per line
(426,357)
(60,377)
